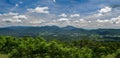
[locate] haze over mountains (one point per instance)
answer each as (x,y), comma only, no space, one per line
(56,32)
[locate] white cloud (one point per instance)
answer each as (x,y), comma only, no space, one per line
(11,20)
(54,0)
(9,14)
(36,21)
(12,17)
(20,17)
(115,20)
(17,5)
(39,10)
(102,21)
(75,15)
(63,19)
(63,15)
(105,10)
(99,14)
(84,21)
(103,13)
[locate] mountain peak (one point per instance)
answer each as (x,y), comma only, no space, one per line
(69,27)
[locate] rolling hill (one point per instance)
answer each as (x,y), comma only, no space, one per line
(52,32)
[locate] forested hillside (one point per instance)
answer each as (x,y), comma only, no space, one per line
(61,33)
(59,42)
(37,47)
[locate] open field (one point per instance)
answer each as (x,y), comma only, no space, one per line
(3,56)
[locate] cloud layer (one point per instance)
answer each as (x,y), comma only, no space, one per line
(78,13)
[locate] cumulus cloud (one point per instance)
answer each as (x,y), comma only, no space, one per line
(82,21)
(63,19)
(9,14)
(12,20)
(12,17)
(103,13)
(39,10)
(105,9)
(102,21)
(115,20)
(20,17)
(72,15)
(62,15)
(75,15)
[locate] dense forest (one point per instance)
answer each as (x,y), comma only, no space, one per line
(38,47)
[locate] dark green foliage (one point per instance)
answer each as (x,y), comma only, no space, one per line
(29,47)
(100,48)
(37,47)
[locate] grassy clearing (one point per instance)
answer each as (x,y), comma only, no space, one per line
(3,56)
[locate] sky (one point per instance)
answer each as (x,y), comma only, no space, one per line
(78,13)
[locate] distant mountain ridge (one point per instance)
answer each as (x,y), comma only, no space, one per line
(55,31)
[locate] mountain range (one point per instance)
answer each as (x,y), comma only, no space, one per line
(51,32)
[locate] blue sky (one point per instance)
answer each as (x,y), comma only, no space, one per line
(78,13)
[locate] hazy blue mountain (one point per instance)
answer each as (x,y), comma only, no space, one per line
(55,29)
(51,32)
